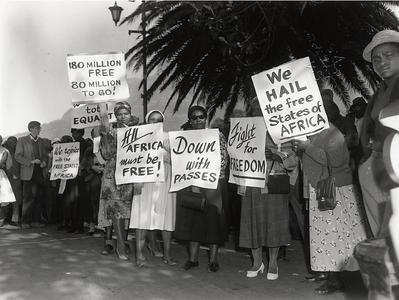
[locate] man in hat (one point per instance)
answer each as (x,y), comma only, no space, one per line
(383,53)
(31,155)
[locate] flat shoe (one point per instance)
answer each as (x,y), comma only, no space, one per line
(169,262)
(121,256)
(213,267)
(140,262)
(317,277)
(189,265)
(107,250)
(329,288)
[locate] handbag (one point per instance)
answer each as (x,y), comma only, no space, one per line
(193,200)
(325,190)
(278,183)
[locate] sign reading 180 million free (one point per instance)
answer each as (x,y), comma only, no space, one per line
(97,78)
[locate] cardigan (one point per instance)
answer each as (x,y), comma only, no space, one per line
(329,142)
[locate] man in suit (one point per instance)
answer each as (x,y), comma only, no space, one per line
(31,155)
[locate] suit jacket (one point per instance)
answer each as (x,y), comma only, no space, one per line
(24,155)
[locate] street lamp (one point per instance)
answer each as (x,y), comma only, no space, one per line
(116,15)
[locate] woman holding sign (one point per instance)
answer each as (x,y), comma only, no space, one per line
(265,213)
(153,206)
(116,199)
(207,224)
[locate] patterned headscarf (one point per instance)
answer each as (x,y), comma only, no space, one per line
(147,116)
(122,105)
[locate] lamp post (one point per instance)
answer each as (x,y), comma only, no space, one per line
(116,14)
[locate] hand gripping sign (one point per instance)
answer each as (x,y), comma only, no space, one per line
(139,156)
(290,101)
(246,147)
(97,78)
(65,161)
(195,158)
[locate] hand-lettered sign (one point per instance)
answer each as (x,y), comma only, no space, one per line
(246,147)
(139,155)
(88,115)
(290,101)
(195,158)
(97,78)
(65,161)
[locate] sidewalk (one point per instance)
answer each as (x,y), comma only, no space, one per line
(46,264)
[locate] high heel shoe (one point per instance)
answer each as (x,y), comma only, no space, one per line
(272,276)
(252,274)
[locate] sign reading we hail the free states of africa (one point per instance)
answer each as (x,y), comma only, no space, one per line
(95,78)
(290,101)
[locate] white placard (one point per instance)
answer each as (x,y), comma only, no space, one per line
(65,161)
(139,155)
(88,115)
(195,158)
(290,101)
(246,147)
(97,78)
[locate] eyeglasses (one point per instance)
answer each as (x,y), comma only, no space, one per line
(194,118)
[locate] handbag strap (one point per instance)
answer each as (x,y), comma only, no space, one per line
(329,167)
(271,168)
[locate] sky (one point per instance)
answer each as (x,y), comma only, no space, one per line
(36,37)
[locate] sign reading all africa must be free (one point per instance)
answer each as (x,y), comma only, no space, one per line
(97,78)
(290,101)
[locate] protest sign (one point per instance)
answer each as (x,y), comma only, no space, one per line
(97,77)
(65,161)
(139,157)
(88,115)
(246,147)
(290,101)
(195,158)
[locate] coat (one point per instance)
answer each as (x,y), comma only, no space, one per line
(24,155)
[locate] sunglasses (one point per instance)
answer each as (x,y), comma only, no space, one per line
(194,118)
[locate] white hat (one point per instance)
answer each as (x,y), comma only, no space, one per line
(381,37)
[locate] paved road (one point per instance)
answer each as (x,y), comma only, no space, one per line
(45,264)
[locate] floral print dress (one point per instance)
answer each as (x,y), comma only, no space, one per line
(115,200)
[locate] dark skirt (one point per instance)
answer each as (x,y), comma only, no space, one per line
(264,219)
(209,226)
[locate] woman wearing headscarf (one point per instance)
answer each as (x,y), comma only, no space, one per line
(333,233)
(115,200)
(265,216)
(153,206)
(207,226)
(383,53)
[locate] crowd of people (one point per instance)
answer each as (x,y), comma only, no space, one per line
(350,150)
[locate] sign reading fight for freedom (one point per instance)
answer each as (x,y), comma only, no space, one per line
(65,161)
(97,77)
(88,115)
(195,158)
(290,101)
(246,147)
(139,157)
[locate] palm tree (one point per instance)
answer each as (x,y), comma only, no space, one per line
(213,48)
